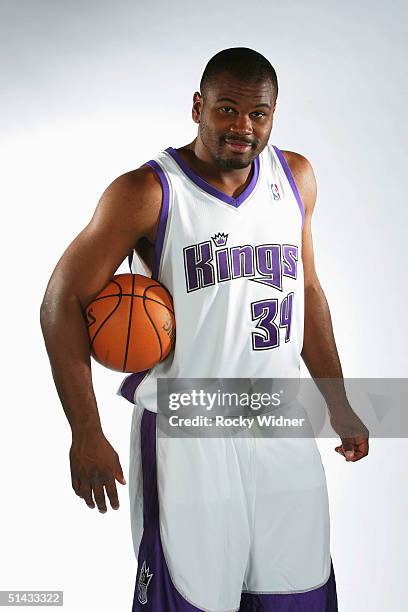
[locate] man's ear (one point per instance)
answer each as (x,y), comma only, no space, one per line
(197,106)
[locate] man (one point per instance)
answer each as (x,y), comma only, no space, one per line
(225,224)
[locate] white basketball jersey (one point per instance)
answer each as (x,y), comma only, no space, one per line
(234,269)
(234,513)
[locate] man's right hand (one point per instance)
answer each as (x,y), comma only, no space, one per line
(94,465)
(128,212)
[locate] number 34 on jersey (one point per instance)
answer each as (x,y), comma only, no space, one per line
(210,262)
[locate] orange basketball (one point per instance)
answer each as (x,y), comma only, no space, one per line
(131,323)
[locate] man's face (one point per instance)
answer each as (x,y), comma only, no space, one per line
(235,120)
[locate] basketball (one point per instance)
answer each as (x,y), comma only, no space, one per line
(131,324)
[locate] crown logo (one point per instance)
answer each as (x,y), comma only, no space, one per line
(144,579)
(220,239)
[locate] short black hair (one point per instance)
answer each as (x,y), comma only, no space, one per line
(243,64)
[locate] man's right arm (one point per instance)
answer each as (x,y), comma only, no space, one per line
(128,210)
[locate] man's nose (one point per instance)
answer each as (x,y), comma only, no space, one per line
(241,124)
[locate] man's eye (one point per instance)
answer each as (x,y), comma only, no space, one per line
(226,109)
(259,114)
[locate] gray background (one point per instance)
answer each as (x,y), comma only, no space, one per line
(93,89)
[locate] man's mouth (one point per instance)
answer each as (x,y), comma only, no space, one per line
(238,145)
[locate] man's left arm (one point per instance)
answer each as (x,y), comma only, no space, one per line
(319,347)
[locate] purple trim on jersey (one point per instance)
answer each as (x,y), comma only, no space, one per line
(131,382)
(154,589)
(200,182)
(164,212)
(291,180)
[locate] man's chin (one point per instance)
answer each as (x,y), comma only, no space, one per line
(237,162)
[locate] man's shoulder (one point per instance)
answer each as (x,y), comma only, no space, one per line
(144,177)
(297,162)
(141,184)
(304,176)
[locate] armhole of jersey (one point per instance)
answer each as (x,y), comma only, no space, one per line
(291,181)
(132,382)
(164,213)
(130,260)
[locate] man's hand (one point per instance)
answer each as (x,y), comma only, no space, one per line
(352,431)
(353,449)
(94,465)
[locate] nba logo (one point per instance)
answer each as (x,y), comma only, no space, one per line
(275,191)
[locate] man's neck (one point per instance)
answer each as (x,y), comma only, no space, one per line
(231,181)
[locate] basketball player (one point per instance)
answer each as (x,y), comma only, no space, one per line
(224,223)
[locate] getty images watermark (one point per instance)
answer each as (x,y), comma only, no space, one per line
(263,407)
(213,402)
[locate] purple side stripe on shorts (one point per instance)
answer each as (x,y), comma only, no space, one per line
(154,590)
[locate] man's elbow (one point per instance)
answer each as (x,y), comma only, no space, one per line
(315,298)
(312,285)
(55,300)
(48,307)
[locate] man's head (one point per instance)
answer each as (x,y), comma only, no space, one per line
(239,88)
